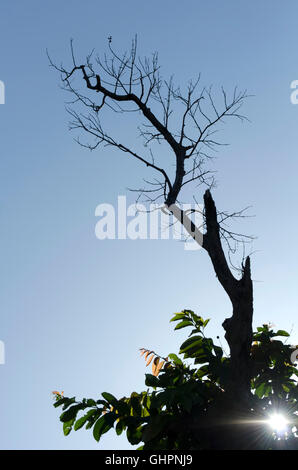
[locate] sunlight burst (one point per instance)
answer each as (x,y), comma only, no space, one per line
(278,423)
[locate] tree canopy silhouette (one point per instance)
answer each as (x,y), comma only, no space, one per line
(185,405)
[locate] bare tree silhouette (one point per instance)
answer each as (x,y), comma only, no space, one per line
(187,123)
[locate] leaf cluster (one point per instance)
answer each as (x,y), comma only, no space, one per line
(183,391)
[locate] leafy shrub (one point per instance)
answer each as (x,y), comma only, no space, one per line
(185,405)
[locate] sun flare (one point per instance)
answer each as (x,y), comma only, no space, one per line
(278,423)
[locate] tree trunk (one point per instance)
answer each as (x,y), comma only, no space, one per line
(239,336)
(240,291)
(239,327)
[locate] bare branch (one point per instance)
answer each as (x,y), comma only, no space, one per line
(125,83)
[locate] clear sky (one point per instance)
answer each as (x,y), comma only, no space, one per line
(74,309)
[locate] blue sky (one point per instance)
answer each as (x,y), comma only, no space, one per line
(74,309)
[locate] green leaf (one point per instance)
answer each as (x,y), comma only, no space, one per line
(191,343)
(200,356)
(91,402)
(282,333)
(120,426)
(260,390)
(98,426)
(65,402)
(135,404)
(178,316)
(146,404)
(190,312)
(81,421)
(102,402)
(183,324)
(67,427)
(110,398)
(71,413)
(134,435)
(175,358)
(122,407)
(218,351)
(103,425)
(151,380)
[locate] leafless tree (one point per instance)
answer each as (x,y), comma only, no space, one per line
(186,123)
